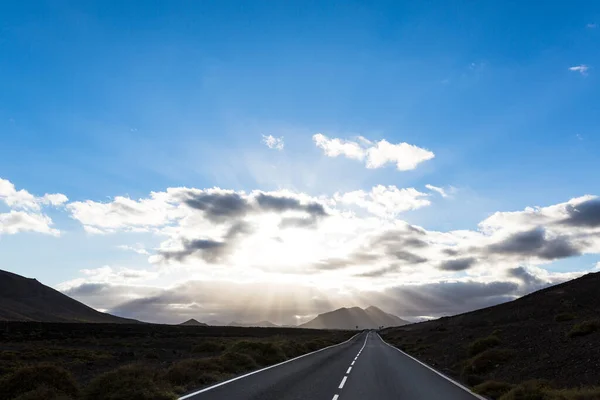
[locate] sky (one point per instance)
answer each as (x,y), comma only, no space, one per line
(273,160)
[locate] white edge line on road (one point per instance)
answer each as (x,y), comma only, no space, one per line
(437,372)
(187,396)
(343,382)
(335,397)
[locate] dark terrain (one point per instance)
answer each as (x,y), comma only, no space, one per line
(138,361)
(551,335)
(26,299)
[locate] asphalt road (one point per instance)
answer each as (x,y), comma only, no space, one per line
(365,367)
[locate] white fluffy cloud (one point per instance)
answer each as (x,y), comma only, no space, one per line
(385,201)
(272,142)
(22,199)
(375,155)
(25,210)
(21,221)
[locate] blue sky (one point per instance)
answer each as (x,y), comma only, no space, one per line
(104,99)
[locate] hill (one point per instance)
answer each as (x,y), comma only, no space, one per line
(260,324)
(193,322)
(26,299)
(350,318)
(551,334)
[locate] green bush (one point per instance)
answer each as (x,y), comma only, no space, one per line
(483,344)
(237,362)
(493,389)
(187,373)
(584,328)
(487,361)
(45,393)
(563,317)
(37,377)
(264,353)
(531,390)
(129,382)
(208,346)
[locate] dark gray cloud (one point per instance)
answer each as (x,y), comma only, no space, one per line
(459,264)
(210,251)
(450,252)
(535,243)
(585,214)
(408,257)
(218,207)
(87,289)
(358,258)
(268,202)
(527,279)
(444,298)
(376,273)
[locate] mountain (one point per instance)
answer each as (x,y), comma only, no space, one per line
(350,318)
(193,322)
(261,324)
(551,334)
(26,299)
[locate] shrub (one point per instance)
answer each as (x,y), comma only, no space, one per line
(584,328)
(292,348)
(37,377)
(483,344)
(129,382)
(237,362)
(208,346)
(43,392)
(195,372)
(563,317)
(530,390)
(487,361)
(264,353)
(493,389)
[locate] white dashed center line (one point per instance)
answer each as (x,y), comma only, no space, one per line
(345,378)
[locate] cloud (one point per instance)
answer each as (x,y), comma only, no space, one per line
(273,142)
(584,214)
(19,221)
(339,147)
(459,264)
(385,201)
(405,156)
(137,248)
(22,199)
(374,154)
(535,243)
(582,69)
(351,242)
(25,210)
(592,26)
(218,205)
(438,190)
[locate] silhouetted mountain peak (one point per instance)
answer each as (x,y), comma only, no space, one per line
(26,299)
(350,318)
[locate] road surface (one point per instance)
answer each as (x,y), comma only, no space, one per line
(365,367)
